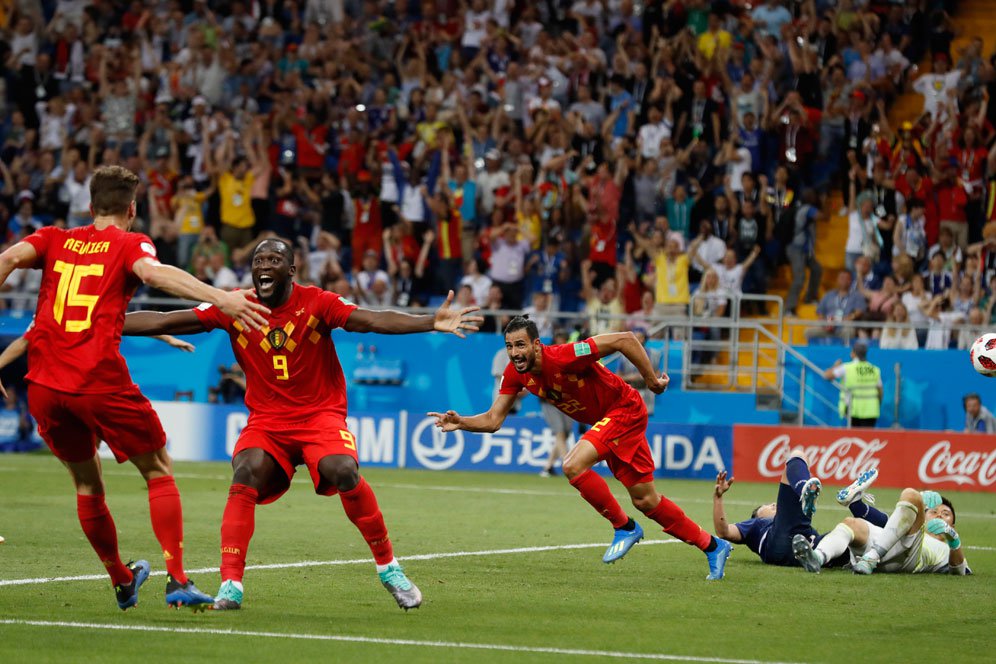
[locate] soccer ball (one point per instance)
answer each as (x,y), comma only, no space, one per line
(984,355)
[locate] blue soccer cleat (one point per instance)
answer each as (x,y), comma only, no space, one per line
(809,494)
(717,559)
(858,489)
(622,542)
(128,595)
(186,594)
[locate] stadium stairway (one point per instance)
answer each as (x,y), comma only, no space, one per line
(974,17)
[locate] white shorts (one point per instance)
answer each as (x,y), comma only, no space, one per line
(917,553)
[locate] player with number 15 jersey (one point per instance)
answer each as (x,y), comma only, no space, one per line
(79,389)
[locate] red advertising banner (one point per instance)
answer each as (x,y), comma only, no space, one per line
(919,459)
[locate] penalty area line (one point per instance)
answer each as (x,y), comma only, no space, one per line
(345,638)
(348,561)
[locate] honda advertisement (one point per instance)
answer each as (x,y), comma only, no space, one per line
(919,459)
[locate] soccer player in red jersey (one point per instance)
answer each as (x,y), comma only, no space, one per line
(79,390)
(296,395)
(571,378)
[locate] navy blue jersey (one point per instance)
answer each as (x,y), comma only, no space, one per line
(754,531)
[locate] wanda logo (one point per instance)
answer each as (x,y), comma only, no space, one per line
(843,460)
(941,464)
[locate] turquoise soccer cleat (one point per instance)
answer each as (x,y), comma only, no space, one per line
(229,597)
(405,593)
(717,559)
(809,495)
(622,542)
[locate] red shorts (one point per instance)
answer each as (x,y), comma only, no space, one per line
(305,441)
(621,441)
(74,424)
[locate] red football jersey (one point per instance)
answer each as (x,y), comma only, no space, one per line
(574,382)
(86,285)
(292,370)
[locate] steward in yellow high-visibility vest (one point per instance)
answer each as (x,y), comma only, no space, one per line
(861,396)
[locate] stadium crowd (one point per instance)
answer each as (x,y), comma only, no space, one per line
(604,157)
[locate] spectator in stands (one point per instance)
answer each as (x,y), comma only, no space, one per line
(940,320)
(232,386)
(539,312)
(670,278)
(938,279)
(837,308)
(801,251)
(863,236)
(978,419)
(508,259)
(602,305)
(706,250)
(895,336)
(879,304)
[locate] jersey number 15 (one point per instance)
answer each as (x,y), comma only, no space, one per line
(68,294)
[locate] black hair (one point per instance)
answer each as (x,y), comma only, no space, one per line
(971,395)
(753,514)
(285,248)
(945,501)
(522,323)
(860,351)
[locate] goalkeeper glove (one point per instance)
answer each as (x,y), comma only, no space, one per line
(940,527)
(931,499)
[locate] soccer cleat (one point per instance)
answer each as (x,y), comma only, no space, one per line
(717,559)
(128,595)
(622,542)
(545,473)
(405,593)
(808,557)
(186,594)
(809,494)
(858,488)
(229,597)
(866,564)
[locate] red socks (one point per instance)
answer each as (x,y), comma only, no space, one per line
(594,489)
(675,523)
(167,523)
(98,526)
(360,505)
(237,525)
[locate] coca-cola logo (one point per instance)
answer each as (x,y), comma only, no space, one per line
(940,464)
(842,460)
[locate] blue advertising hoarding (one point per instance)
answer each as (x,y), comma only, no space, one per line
(206,432)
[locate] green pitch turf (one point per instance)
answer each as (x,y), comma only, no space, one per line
(654,604)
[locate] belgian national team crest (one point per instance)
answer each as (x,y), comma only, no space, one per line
(277,337)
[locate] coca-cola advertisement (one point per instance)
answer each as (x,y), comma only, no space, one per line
(920,459)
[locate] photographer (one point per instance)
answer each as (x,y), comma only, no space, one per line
(231,388)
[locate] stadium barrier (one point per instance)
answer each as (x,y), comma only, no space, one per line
(937,460)
(205,432)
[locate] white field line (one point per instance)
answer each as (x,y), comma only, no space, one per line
(344,638)
(351,561)
(457,489)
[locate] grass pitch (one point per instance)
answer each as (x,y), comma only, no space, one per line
(512,591)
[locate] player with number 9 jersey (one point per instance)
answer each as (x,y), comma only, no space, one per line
(296,395)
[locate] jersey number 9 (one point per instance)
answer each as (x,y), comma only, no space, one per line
(280,366)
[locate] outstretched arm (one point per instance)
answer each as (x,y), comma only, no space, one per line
(396,322)
(183,284)
(627,344)
(22,254)
(721,526)
(156,323)
(487,422)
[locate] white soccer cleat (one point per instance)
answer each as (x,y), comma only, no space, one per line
(858,488)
